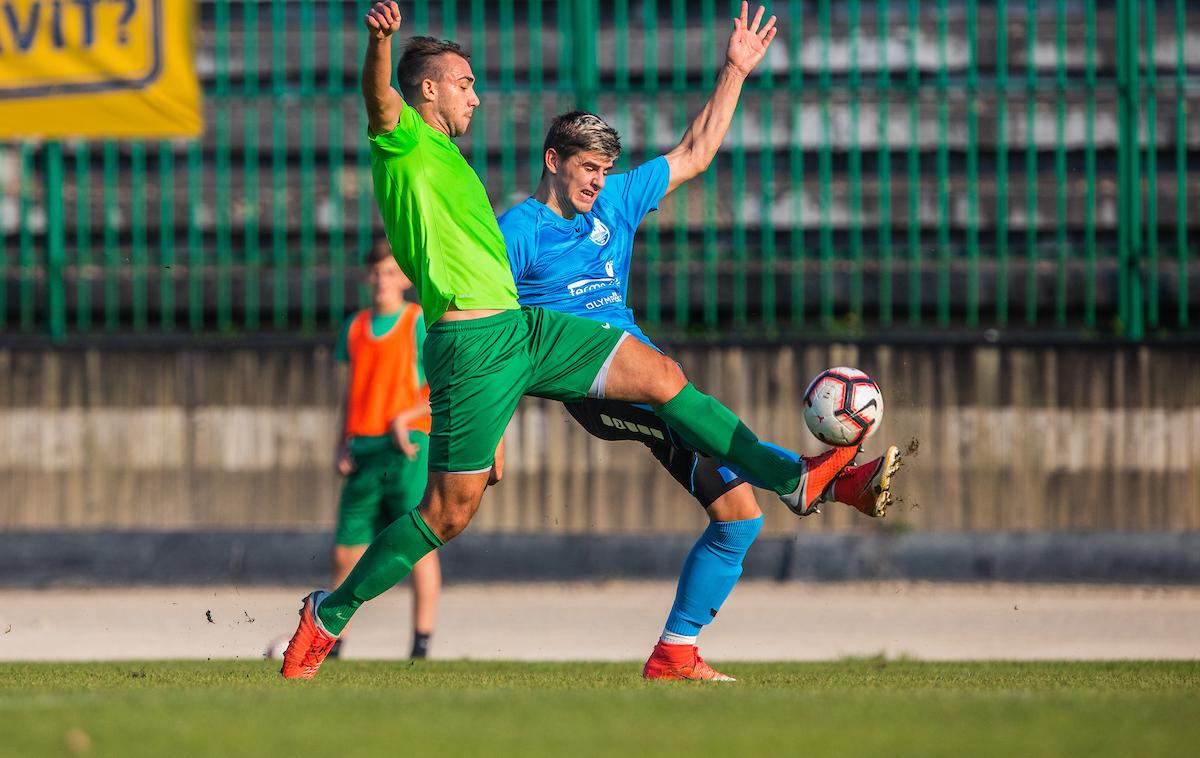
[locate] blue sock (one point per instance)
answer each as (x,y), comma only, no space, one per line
(709,573)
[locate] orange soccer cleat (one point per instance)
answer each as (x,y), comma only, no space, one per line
(310,644)
(867,487)
(680,662)
(819,471)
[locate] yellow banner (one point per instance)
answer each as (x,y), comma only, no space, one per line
(97,68)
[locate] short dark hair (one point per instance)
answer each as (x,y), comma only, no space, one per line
(418,62)
(378,253)
(580,131)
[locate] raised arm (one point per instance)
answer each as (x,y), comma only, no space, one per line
(382,100)
(747,45)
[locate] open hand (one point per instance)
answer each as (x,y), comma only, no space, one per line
(748,43)
(383,20)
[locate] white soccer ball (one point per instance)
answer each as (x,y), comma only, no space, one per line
(843,406)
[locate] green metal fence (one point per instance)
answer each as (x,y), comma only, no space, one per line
(894,164)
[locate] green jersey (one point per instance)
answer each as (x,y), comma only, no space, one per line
(439,221)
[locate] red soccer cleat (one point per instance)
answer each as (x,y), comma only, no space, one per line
(680,662)
(819,471)
(310,644)
(867,487)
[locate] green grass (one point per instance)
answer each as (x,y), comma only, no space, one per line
(402,709)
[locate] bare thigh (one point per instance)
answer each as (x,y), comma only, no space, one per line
(641,374)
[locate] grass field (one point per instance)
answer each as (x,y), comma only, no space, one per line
(850,707)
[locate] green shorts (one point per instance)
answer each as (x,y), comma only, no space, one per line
(384,486)
(479,369)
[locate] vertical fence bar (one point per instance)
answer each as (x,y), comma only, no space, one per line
(537,99)
(508,140)
(796,160)
(884,88)
(856,236)
(308,169)
(912,83)
(28,254)
(650,74)
(972,314)
(767,204)
(166,236)
(679,18)
(1133,183)
(83,241)
(1181,176)
(450,18)
(138,257)
(737,215)
(56,301)
(112,221)
(420,18)
(251,99)
(4,267)
(195,238)
(334,147)
(222,195)
(365,198)
(825,169)
(1151,170)
(479,153)
(1123,229)
(583,44)
(621,75)
(1060,162)
(1089,158)
(708,76)
(943,171)
(1001,163)
(1031,168)
(279,168)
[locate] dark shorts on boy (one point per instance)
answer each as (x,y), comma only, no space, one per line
(384,486)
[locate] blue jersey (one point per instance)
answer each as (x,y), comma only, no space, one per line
(581,265)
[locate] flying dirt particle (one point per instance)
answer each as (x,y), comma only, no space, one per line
(8,629)
(247,615)
(913,446)
(1015,608)
(208,615)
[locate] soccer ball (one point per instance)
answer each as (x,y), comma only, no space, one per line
(842,406)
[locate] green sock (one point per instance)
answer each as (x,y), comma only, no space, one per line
(389,559)
(715,431)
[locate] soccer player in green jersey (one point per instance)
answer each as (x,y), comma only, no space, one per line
(484,351)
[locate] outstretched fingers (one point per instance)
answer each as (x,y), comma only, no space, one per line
(757,18)
(768,31)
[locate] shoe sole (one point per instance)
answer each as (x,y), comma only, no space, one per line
(891,464)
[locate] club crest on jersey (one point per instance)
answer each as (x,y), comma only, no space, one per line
(600,235)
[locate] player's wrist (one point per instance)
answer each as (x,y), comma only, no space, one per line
(732,70)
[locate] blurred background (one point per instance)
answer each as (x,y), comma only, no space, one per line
(988,206)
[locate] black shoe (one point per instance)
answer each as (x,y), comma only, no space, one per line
(420,646)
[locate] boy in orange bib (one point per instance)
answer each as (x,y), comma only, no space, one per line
(385,439)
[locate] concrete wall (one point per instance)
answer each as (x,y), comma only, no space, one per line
(1003,438)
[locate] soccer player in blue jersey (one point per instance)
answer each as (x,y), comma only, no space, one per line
(570,248)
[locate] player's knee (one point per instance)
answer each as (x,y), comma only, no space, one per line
(736,505)
(668,382)
(448,518)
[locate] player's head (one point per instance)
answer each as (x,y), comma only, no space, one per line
(578,152)
(385,280)
(435,77)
